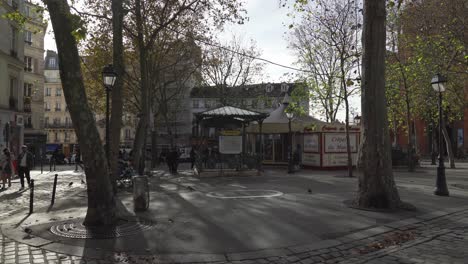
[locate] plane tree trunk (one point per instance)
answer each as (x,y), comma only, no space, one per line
(377,187)
(117,101)
(101,199)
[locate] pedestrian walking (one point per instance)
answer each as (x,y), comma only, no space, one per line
(297,157)
(6,166)
(192,157)
(25,160)
(78,160)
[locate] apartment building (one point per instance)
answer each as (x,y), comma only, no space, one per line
(57,121)
(12,113)
(33,88)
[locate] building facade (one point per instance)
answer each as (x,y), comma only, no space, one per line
(11,78)
(33,88)
(57,121)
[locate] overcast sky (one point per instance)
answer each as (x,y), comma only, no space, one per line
(265,27)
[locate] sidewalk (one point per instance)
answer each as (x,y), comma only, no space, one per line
(265,219)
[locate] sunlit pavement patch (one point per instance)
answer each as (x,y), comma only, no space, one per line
(244,194)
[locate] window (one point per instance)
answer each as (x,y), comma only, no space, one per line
(27,89)
(196,103)
(207,103)
(58,106)
(27,11)
(48,91)
(284,87)
(269,88)
(67,121)
(254,103)
(58,92)
(28,123)
(13,43)
(57,121)
(52,63)
(28,37)
(28,64)
(13,81)
(14,4)
(56,138)
(66,137)
(46,106)
(46,121)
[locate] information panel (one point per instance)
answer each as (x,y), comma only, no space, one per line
(311,159)
(311,142)
(338,160)
(230,144)
(336,142)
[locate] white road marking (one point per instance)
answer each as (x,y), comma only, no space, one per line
(219,195)
(238,185)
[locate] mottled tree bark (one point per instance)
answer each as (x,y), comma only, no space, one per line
(377,188)
(101,199)
(138,145)
(448,145)
(117,100)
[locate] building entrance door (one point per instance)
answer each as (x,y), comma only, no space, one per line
(274,148)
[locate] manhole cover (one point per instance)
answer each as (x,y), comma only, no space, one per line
(244,194)
(76,229)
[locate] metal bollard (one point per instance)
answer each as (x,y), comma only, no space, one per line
(42,169)
(31,197)
(53,190)
(140,193)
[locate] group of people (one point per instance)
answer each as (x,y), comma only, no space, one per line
(22,166)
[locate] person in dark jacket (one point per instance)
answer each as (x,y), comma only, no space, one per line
(25,163)
(172,159)
(192,157)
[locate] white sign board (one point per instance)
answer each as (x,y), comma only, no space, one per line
(338,160)
(311,142)
(230,144)
(336,142)
(311,159)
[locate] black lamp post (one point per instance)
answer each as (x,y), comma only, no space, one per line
(108,76)
(438,84)
(290,116)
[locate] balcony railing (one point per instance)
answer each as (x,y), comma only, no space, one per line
(58,109)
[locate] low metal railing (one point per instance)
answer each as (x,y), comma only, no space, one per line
(219,161)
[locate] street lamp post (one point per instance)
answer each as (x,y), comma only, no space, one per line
(438,84)
(290,116)
(108,76)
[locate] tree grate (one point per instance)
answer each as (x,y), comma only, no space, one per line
(76,229)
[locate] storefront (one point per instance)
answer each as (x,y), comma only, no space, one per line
(323,145)
(326,146)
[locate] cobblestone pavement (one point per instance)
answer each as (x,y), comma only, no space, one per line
(439,240)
